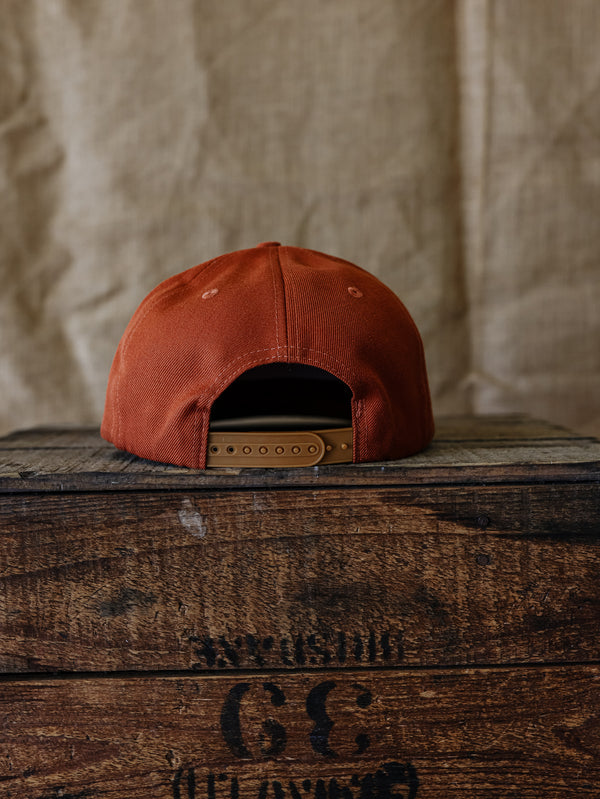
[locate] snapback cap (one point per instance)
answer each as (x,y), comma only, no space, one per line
(269,356)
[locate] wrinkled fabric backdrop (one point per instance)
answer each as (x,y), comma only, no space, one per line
(451,148)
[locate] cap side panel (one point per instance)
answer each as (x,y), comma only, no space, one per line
(112,421)
(184,343)
(339,309)
(373,278)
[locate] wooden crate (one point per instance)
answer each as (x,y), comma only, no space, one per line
(427,628)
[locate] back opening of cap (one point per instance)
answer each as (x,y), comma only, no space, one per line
(283,396)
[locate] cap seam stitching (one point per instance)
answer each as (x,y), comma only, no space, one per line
(275,303)
(283,254)
(248,358)
(360,431)
(199,433)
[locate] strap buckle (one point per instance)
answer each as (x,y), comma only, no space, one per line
(282,448)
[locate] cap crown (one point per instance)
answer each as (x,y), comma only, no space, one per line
(199,330)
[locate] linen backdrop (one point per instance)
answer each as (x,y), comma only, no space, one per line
(450,147)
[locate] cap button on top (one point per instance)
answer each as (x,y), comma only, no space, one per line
(269,244)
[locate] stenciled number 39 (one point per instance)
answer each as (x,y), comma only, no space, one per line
(275,732)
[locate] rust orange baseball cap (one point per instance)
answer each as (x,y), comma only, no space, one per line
(269,356)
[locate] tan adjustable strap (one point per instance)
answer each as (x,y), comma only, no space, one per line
(285,448)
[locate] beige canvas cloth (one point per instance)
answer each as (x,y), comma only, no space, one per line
(451,148)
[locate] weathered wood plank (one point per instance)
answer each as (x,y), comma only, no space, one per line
(466,449)
(486,734)
(505,427)
(302,599)
(271,579)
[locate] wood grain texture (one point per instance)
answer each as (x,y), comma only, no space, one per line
(268,579)
(426,628)
(478,733)
(465,449)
